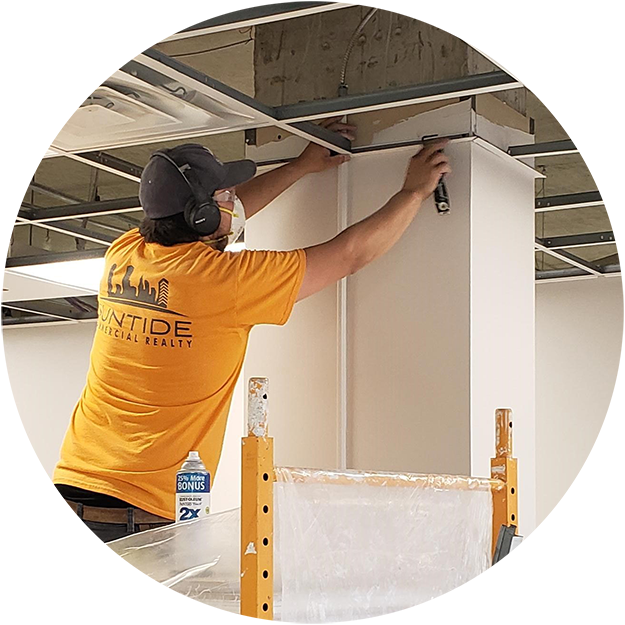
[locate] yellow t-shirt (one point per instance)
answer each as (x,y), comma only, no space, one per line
(173,325)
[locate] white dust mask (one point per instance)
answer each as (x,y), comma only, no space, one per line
(238,221)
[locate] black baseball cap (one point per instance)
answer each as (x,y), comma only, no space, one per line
(164,192)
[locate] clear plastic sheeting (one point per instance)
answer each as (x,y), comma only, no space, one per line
(384,479)
(199,559)
(347,545)
(350,548)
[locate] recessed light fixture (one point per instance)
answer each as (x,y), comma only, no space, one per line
(83,274)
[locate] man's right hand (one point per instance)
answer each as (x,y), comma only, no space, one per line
(372,237)
(426,168)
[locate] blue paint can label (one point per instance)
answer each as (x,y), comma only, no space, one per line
(192,495)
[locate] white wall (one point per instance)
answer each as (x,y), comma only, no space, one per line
(43,373)
(579,328)
(47,369)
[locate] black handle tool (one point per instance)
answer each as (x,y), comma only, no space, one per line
(441,197)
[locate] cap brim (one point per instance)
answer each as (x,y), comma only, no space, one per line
(238,172)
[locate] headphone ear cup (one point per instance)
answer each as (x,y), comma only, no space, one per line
(204,219)
(189,211)
(201,213)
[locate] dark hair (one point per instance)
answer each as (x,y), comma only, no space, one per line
(168,230)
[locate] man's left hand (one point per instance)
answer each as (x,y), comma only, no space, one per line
(317,158)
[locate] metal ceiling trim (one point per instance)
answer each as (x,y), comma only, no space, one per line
(585,199)
(87,158)
(50,192)
(568,146)
(584,240)
(568,258)
(69,229)
(37,312)
(410,94)
(57,257)
(86,209)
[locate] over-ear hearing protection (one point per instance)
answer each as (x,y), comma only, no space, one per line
(201,212)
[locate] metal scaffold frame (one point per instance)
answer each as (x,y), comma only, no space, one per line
(258,475)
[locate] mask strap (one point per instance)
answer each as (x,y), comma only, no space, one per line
(225,236)
(226,210)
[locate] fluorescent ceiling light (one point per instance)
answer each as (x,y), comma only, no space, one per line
(572,151)
(83,274)
(555,207)
(586,276)
(27,152)
(568,146)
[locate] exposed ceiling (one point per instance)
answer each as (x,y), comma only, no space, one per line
(274,71)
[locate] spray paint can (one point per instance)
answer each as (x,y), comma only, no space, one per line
(192,489)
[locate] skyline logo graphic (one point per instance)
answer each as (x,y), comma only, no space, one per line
(143,295)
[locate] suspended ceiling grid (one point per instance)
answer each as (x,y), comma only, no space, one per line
(81,185)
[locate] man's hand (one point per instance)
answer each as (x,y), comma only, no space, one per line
(366,240)
(317,158)
(426,168)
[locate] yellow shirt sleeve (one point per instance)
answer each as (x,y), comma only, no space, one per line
(267,286)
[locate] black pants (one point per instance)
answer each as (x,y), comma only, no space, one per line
(82,531)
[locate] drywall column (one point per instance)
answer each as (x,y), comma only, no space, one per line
(409,328)
(502,314)
(300,359)
(441,329)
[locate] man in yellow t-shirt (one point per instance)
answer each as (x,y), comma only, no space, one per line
(175,311)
